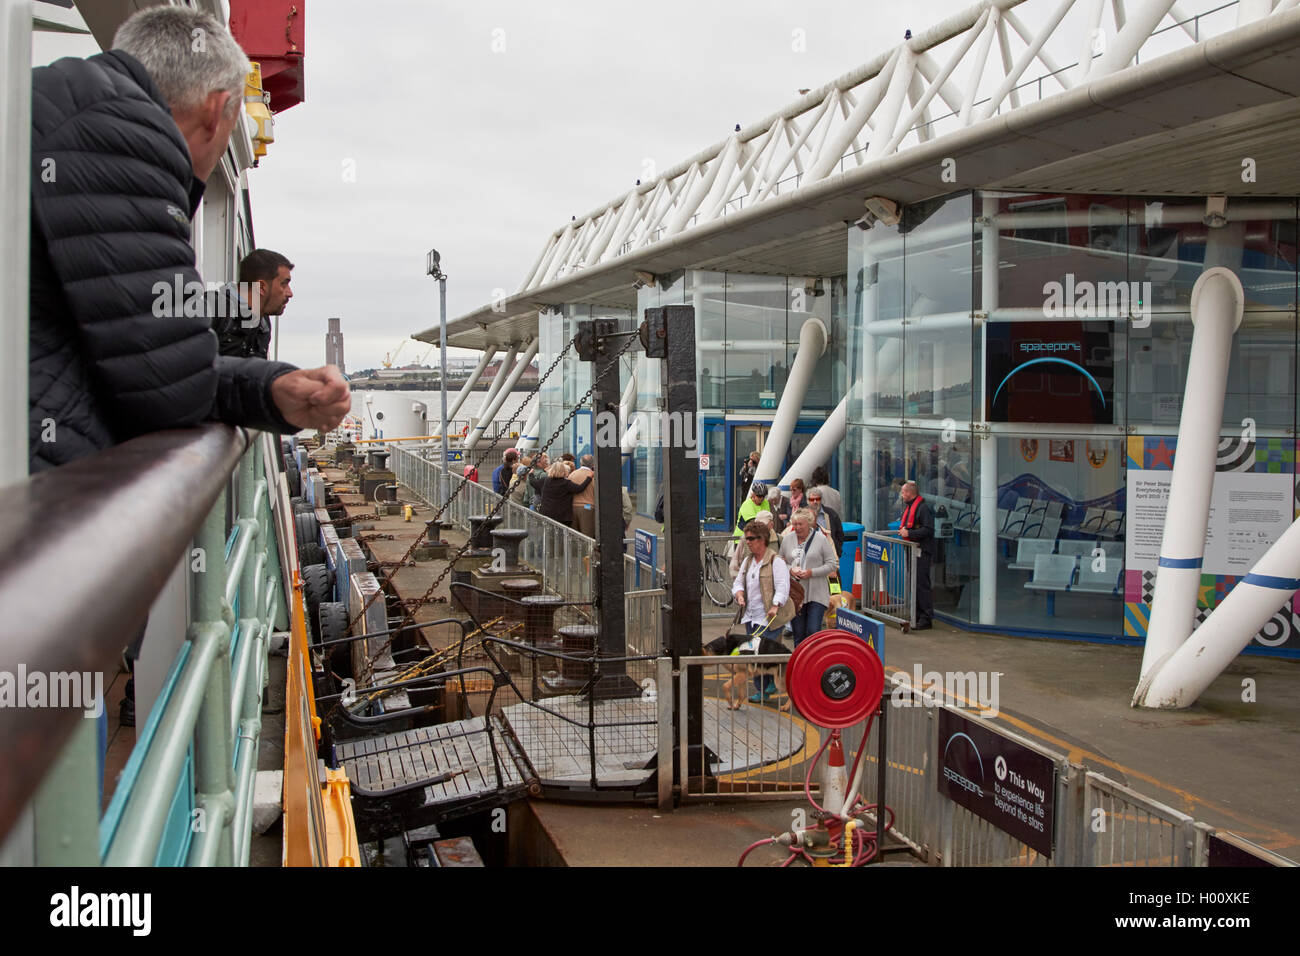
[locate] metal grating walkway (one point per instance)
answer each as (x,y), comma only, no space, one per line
(456,758)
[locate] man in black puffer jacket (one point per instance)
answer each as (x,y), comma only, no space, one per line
(120,343)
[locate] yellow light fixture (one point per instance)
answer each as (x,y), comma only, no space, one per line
(257,105)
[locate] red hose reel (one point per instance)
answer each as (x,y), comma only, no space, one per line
(835,680)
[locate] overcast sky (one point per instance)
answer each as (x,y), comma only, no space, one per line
(480,128)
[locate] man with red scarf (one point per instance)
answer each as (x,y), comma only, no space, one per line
(917,524)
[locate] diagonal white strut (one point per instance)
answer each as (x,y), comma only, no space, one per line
(1217,305)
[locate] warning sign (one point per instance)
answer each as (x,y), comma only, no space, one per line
(875,552)
(704,463)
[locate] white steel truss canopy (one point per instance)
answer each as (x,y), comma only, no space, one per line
(1147,98)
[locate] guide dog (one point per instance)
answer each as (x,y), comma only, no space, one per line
(737,645)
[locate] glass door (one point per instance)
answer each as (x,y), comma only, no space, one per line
(713,480)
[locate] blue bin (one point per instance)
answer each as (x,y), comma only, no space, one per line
(848,554)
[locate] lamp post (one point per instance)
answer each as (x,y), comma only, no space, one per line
(434,267)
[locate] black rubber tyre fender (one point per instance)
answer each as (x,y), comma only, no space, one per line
(316,591)
(307,528)
(295,480)
(311,553)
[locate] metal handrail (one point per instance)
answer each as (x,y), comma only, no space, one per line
(168,490)
(75,531)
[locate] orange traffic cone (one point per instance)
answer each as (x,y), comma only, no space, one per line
(857,580)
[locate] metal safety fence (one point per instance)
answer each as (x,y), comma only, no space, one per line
(563,555)
(756,752)
(889,578)
(1125,828)
(763,752)
(560,553)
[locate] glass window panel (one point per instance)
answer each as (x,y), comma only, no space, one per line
(875,329)
(937,298)
(1173,245)
(1046,238)
(708,294)
(1261,371)
(755,361)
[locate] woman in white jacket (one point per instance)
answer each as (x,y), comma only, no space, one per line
(811,559)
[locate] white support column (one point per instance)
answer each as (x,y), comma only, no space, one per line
(497,381)
(978,62)
(1130,39)
(988,452)
(1091,24)
(886,118)
(1229,628)
(988,527)
(872,93)
(528,437)
(1217,304)
(627,415)
(695,196)
(471,382)
(812,345)
(822,446)
(1248,11)
(500,399)
(1014,72)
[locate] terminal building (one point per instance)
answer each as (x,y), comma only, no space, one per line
(975,271)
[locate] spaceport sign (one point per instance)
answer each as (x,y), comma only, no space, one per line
(999,780)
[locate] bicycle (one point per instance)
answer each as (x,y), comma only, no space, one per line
(715,576)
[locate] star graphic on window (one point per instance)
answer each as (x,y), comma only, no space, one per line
(1161,456)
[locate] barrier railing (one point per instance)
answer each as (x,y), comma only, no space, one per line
(562,554)
(644,617)
(558,551)
(1125,828)
(196,756)
(759,753)
(889,578)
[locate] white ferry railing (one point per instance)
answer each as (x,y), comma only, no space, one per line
(185,796)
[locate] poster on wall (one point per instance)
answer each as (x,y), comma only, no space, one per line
(1057,372)
(1253,500)
(1061,450)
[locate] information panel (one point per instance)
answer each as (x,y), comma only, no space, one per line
(1009,785)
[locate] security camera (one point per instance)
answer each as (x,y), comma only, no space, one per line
(643,279)
(886,210)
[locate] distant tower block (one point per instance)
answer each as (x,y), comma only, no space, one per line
(334,346)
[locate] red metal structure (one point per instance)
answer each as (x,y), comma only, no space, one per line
(274,34)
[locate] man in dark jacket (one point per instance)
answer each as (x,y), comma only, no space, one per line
(917,524)
(120,343)
(505,472)
(244,330)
